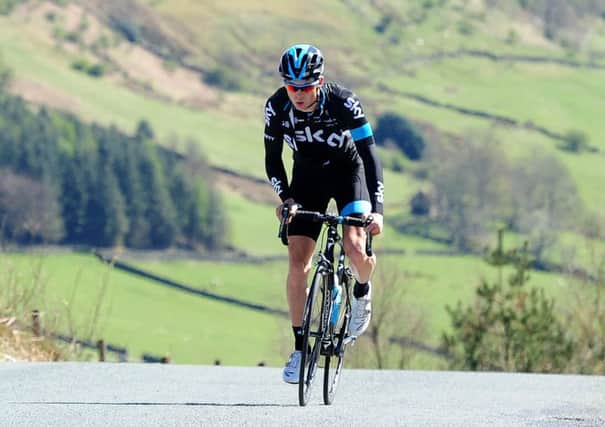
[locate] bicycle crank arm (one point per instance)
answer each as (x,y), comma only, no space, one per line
(349,340)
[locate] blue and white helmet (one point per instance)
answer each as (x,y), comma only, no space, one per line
(301,64)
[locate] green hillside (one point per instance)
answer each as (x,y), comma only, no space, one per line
(528,77)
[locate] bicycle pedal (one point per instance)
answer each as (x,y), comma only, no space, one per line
(350,340)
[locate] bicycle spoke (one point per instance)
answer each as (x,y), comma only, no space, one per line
(333,364)
(311,338)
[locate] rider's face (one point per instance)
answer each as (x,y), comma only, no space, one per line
(304,99)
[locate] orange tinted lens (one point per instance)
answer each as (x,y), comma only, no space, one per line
(292,88)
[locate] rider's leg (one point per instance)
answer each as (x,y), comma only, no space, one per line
(300,253)
(354,241)
(361,305)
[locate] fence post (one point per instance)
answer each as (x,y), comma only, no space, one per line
(36,323)
(101,348)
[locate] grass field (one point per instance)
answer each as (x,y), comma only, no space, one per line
(143,316)
(248,37)
(147,317)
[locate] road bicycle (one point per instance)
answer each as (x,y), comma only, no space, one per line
(327,310)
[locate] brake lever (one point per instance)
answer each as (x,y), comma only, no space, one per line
(283,226)
(369,236)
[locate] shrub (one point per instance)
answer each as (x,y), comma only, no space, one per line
(508,327)
(512,37)
(420,204)
(575,141)
(129,29)
(224,78)
(72,37)
(6,6)
(94,70)
(465,28)
(393,128)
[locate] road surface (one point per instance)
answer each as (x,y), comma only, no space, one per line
(128,394)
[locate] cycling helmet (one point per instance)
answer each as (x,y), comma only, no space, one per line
(301,64)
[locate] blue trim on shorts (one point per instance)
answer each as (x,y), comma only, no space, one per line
(357,207)
(362,132)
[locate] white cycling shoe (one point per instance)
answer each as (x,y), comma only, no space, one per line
(291,371)
(361,313)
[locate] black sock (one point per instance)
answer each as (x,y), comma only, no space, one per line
(360,289)
(298,338)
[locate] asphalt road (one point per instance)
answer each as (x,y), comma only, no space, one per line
(112,394)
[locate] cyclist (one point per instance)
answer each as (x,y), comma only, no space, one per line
(334,157)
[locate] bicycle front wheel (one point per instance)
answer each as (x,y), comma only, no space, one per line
(333,364)
(312,331)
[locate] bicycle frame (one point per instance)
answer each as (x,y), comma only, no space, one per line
(337,273)
(330,335)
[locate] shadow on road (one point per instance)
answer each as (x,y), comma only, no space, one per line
(155,404)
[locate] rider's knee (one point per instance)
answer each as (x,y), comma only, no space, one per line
(299,258)
(355,250)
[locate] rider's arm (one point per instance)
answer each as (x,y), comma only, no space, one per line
(373,171)
(362,134)
(274,165)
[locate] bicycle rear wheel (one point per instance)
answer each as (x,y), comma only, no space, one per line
(333,364)
(312,331)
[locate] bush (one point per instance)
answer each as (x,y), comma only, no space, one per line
(128,28)
(420,204)
(465,28)
(384,23)
(508,327)
(224,78)
(94,70)
(73,37)
(80,64)
(6,6)
(512,37)
(391,127)
(575,141)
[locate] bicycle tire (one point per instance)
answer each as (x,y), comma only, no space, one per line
(312,332)
(333,364)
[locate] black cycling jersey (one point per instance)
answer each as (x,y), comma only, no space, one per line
(336,133)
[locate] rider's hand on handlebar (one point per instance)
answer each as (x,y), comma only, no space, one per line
(291,206)
(375,227)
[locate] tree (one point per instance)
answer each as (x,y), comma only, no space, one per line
(576,141)
(74,197)
(508,327)
(114,188)
(472,187)
(420,204)
(139,230)
(395,129)
(144,130)
(6,76)
(391,317)
(29,211)
(160,211)
(586,310)
(112,213)
(545,199)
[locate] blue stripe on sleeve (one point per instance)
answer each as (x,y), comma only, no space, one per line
(357,207)
(362,132)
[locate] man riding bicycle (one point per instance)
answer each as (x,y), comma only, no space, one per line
(334,157)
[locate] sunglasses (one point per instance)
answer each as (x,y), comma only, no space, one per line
(305,89)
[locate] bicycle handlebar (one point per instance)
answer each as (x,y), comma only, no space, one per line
(328,219)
